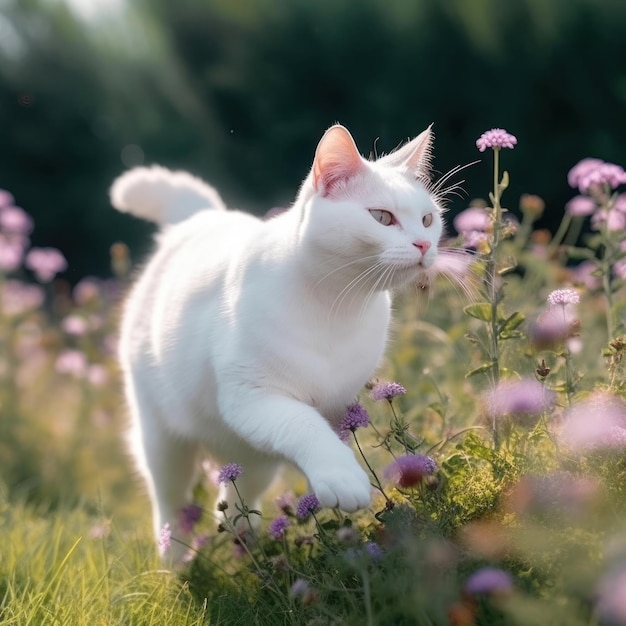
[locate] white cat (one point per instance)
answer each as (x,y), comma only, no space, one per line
(246,339)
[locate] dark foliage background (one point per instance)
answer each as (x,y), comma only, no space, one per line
(239,92)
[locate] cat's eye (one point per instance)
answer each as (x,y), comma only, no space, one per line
(427,220)
(384,217)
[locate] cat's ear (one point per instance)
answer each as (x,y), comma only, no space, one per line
(414,157)
(336,159)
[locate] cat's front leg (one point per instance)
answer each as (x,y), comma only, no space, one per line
(284,426)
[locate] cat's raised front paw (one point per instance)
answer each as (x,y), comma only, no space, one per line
(346,488)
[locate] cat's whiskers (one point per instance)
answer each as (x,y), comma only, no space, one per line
(440,192)
(388,271)
(342,267)
(352,285)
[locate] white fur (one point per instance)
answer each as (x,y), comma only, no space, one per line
(248,338)
(156,194)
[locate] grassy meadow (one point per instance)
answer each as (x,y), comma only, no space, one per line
(497,461)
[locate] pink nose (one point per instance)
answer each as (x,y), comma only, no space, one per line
(422,246)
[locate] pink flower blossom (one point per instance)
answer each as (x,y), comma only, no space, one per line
(97,375)
(619,269)
(46,263)
(563,297)
(580,206)
(611,597)
(74,325)
(86,290)
(409,470)
(18,297)
(604,175)
(165,539)
(16,220)
(584,273)
(6,198)
(612,219)
(72,362)
(518,397)
(496,138)
(472,219)
(596,423)
(582,169)
(11,253)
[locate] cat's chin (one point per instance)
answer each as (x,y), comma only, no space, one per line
(410,274)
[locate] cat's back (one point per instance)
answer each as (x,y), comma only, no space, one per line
(190,262)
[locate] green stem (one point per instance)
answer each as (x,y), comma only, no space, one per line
(377,484)
(560,233)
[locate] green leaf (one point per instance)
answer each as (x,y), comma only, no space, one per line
(504,183)
(438,407)
(581,253)
(480,310)
(483,367)
(512,322)
(511,334)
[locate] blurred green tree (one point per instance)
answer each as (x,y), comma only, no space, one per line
(239,92)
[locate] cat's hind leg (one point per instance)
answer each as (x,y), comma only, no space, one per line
(169,466)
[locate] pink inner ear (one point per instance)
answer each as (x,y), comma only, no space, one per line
(336,160)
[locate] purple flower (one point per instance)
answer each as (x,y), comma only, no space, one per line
(165,539)
(611,604)
(489,580)
(277,527)
(355,417)
(596,423)
(374,550)
(496,138)
(230,472)
(387,391)
(299,588)
(188,517)
(472,219)
(46,263)
(563,297)
(409,470)
(16,220)
(518,397)
(308,504)
(580,206)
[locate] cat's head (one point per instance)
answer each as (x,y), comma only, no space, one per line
(374,222)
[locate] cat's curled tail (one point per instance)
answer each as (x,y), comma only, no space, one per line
(162,196)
